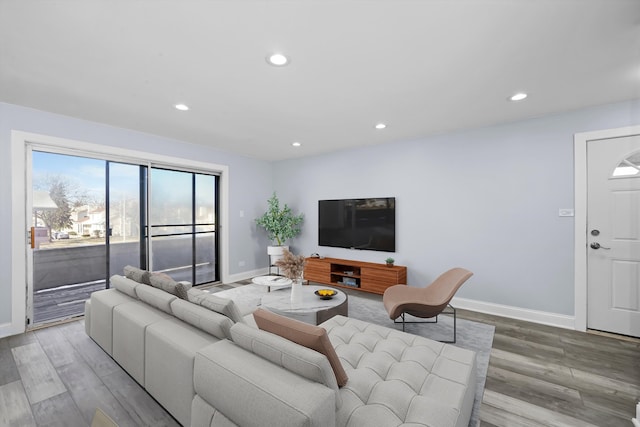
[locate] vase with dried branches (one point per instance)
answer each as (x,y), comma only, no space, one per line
(292,266)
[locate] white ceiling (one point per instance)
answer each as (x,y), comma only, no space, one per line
(422,67)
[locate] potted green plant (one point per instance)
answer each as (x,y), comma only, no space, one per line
(281,225)
(389,261)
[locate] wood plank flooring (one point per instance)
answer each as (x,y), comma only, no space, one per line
(39,378)
(545,376)
(538,376)
(57,376)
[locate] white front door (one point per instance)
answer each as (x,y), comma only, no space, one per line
(613,235)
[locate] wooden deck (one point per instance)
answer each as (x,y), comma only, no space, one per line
(63,302)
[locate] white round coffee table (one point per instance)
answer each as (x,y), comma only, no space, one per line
(276,282)
(308,307)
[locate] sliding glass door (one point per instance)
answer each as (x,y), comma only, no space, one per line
(126,195)
(67,255)
(206,233)
(92,217)
(182,222)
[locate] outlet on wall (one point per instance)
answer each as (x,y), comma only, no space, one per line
(241,263)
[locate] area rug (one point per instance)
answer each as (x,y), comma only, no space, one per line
(368,307)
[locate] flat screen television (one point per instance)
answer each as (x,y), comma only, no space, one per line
(368,224)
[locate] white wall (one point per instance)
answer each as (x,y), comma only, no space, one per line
(485,199)
(250,183)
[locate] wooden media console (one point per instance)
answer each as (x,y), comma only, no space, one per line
(359,275)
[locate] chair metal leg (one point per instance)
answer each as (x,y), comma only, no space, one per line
(454,325)
(434,321)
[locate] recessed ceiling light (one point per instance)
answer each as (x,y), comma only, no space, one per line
(181,107)
(381,126)
(518,96)
(296,144)
(277,59)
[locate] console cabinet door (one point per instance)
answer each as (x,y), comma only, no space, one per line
(376,280)
(317,270)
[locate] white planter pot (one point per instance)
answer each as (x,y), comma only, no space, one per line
(276,250)
(275,253)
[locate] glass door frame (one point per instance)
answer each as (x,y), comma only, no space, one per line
(143,173)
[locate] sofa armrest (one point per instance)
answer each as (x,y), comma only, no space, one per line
(248,390)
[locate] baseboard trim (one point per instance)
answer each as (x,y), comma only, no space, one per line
(245,275)
(8,329)
(535,316)
(5,330)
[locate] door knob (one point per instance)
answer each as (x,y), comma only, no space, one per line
(596,245)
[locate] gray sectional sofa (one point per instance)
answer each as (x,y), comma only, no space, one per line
(210,366)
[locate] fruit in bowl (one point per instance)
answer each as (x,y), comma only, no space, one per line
(325,293)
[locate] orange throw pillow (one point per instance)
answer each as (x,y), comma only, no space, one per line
(310,336)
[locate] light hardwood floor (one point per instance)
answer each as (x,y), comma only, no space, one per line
(538,376)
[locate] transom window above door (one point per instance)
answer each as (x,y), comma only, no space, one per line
(629,167)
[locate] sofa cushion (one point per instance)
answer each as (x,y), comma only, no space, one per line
(313,337)
(209,321)
(170,349)
(253,392)
(101,322)
(203,414)
(157,280)
(130,321)
(182,289)
(282,352)
(215,303)
(156,298)
(124,285)
(162,281)
(134,273)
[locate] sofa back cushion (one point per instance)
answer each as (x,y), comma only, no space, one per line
(287,354)
(155,297)
(206,320)
(313,337)
(157,280)
(134,273)
(167,284)
(218,304)
(124,285)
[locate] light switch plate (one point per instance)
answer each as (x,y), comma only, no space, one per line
(565,212)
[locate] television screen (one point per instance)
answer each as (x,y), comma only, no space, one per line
(358,223)
(335,219)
